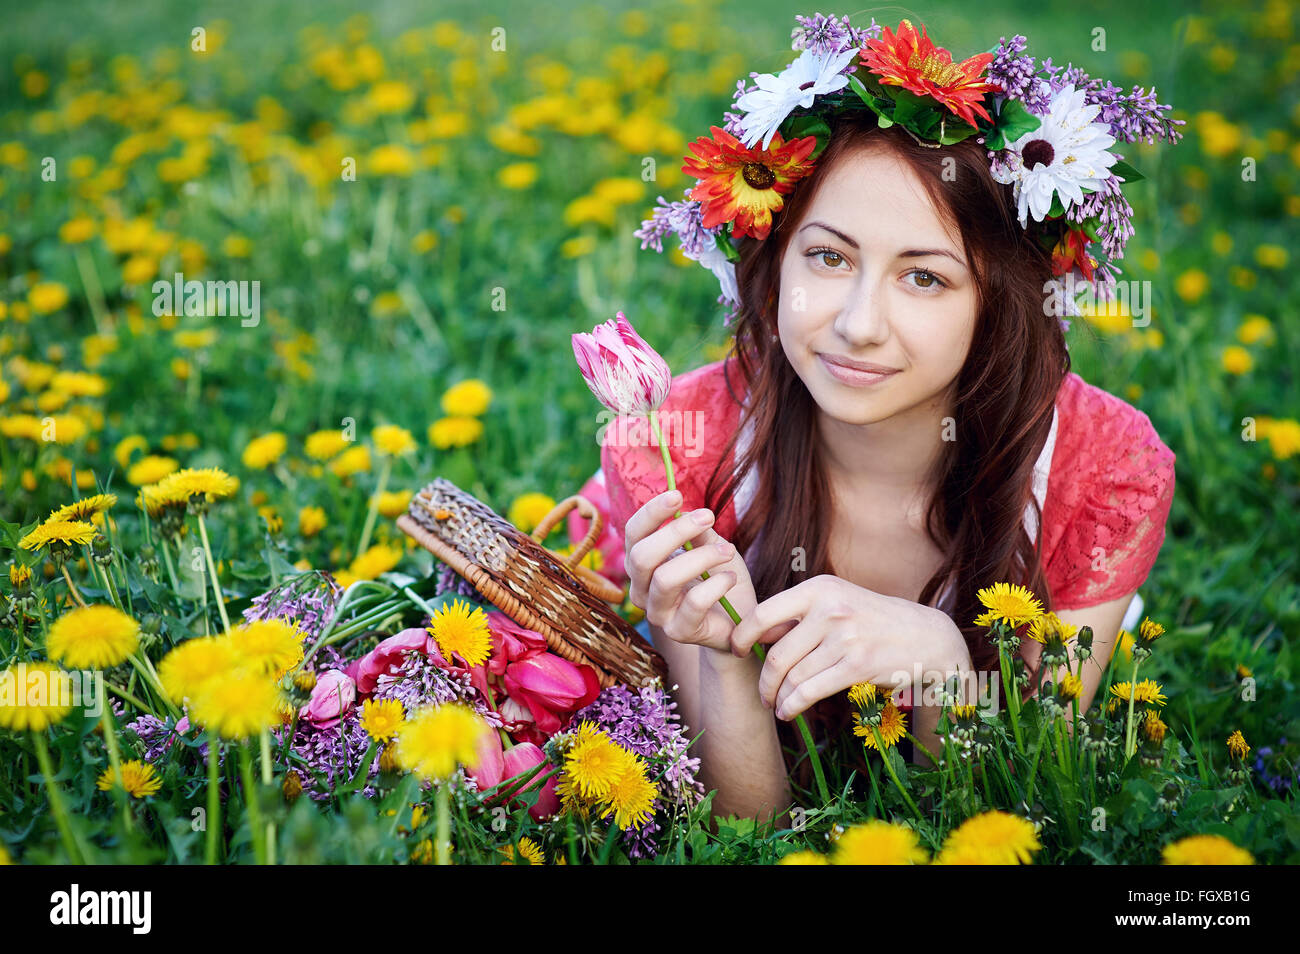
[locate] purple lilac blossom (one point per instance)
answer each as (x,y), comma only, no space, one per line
(1016,74)
(643,721)
(683,217)
(308,599)
(448,580)
(828,36)
(335,752)
(419,682)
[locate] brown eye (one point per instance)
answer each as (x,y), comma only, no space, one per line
(829,258)
(931,280)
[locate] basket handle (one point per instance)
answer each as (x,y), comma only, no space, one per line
(588,510)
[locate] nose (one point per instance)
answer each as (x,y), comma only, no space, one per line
(864,319)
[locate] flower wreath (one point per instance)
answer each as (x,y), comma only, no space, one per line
(1048,131)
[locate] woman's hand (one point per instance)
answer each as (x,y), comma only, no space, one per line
(669,587)
(844,634)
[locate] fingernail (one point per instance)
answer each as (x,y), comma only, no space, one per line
(701,517)
(673,497)
(723,547)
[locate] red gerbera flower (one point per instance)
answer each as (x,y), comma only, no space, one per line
(910,60)
(744,186)
(1070,251)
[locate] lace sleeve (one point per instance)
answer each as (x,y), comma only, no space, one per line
(1118,503)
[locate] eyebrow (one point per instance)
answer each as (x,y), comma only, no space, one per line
(910,253)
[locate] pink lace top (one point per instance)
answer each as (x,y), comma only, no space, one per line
(1104,481)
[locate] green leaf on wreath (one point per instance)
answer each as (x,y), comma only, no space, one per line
(800,126)
(1125,171)
(1014,120)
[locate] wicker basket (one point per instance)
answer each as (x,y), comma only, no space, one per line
(538,589)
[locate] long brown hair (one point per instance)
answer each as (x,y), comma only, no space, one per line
(1004,396)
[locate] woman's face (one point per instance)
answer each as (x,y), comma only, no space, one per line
(873,275)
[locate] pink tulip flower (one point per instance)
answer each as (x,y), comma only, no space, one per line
(385,658)
(625,373)
(551,687)
(331,699)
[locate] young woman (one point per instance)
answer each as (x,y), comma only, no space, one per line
(896,428)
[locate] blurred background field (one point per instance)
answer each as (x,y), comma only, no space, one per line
(491,217)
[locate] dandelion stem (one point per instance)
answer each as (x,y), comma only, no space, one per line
(72,587)
(94,290)
(1008,682)
(373,510)
(57,808)
(443,840)
(889,767)
(264,742)
(214,802)
(1129,735)
(250,799)
(212,569)
(114,757)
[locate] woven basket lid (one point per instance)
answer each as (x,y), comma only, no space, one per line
(538,589)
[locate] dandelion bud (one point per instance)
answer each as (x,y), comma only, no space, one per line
(148,559)
(292,786)
(101,551)
(1083,645)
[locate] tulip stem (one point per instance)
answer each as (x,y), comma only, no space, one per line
(822,791)
(444,823)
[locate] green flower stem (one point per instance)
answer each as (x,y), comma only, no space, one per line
(57,808)
(214,802)
(1033,765)
(1013,695)
(823,792)
(72,587)
(114,756)
(373,510)
(126,696)
(140,662)
(264,743)
(1130,736)
(166,551)
(94,290)
(212,569)
(889,767)
(251,800)
(443,838)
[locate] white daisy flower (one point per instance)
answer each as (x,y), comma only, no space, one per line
(808,76)
(1064,156)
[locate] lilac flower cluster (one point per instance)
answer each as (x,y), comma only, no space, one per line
(683,218)
(1017,75)
(1276,768)
(419,682)
(448,580)
(643,721)
(827,36)
(336,753)
(1116,217)
(159,736)
(1131,116)
(309,599)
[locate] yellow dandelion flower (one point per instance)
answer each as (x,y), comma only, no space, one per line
(1070,687)
(354,460)
(185,670)
(435,740)
(268,646)
(263,451)
(151,469)
(46,297)
(1255,329)
(804,858)
(1011,603)
(893,726)
(992,838)
(448,432)
(1237,746)
(322,445)
(527,849)
(877,842)
(79,384)
(85,508)
(1149,630)
(92,637)
(527,510)
(34,696)
(1147,691)
(1049,624)
(238,705)
(311,521)
(137,778)
(66,532)
(594,762)
(1153,727)
(862,694)
(392,440)
(462,629)
(393,503)
(369,565)
(1205,850)
(1192,284)
(381,718)
(467,399)
(213,482)
(631,795)
(1237,360)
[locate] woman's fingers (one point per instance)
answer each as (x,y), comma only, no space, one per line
(689,622)
(823,657)
(816,687)
(650,551)
(669,580)
(784,655)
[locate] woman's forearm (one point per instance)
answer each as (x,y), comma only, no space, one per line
(740,752)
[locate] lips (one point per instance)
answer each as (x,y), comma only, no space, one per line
(855,377)
(853,365)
